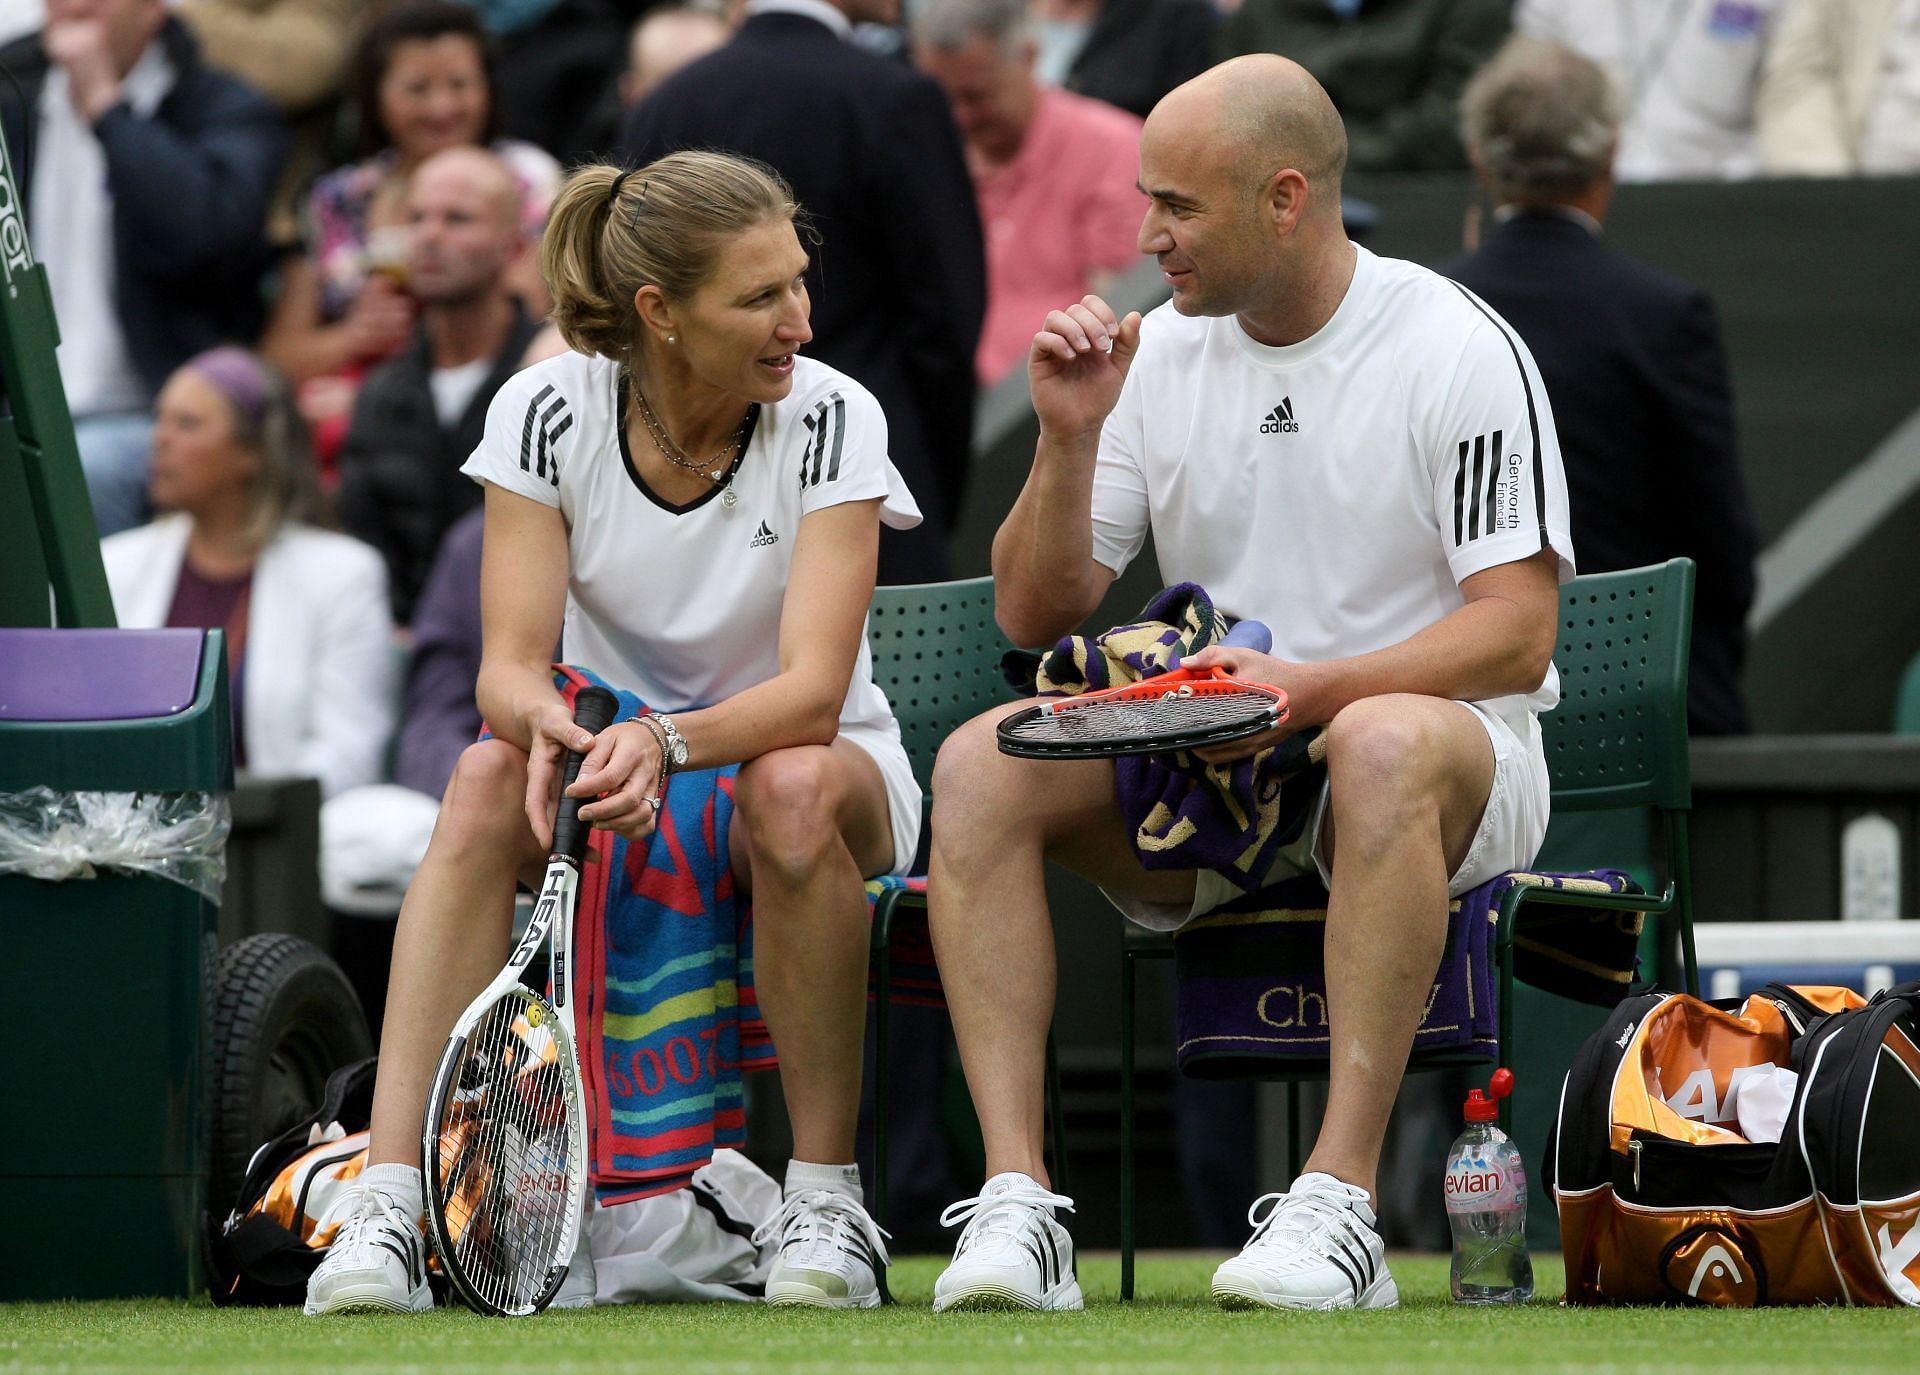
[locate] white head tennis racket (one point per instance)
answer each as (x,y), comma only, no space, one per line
(505,1133)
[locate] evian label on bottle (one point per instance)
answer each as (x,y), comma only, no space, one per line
(1478,1185)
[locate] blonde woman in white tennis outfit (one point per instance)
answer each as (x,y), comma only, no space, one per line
(695,511)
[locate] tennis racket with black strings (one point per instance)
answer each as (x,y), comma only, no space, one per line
(505,1131)
(1181,709)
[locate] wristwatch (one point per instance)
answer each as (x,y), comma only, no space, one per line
(673,753)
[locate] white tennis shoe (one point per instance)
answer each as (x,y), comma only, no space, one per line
(377,1263)
(1314,1246)
(1012,1254)
(831,1253)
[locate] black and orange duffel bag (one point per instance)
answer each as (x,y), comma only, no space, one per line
(281,1224)
(1664,1199)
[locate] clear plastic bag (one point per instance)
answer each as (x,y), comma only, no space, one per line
(49,834)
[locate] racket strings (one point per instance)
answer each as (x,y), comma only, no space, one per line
(504,1155)
(1143,718)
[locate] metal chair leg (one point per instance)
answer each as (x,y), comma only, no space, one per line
(1504,981)
(1682,910)
(1056,1120)
(1294,1158)
(882,957)
(1127,973)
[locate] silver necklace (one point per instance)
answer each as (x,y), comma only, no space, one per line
(721,472)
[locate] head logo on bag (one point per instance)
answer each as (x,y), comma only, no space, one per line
(1710,1264)
(1900,1259)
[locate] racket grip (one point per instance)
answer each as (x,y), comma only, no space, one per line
(593,709)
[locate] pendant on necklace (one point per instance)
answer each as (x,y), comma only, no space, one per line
(729,498)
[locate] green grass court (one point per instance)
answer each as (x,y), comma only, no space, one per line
(1173,1328)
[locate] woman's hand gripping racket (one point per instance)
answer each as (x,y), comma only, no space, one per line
(505,1134)
(1178,710)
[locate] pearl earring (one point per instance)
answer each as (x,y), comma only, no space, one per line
(673,338)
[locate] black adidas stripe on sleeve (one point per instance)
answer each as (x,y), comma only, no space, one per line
(820,459)
(548,417)
(1533,424)
(1476,513)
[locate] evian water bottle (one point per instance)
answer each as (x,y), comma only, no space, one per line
(1487,1206)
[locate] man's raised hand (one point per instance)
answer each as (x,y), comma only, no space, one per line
(84,48)
(1077,363)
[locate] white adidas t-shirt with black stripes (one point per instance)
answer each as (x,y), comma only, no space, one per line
(1341,488)
(682,604)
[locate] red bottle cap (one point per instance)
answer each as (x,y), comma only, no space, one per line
(1479,1107)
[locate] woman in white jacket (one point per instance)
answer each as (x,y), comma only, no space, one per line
(309,637)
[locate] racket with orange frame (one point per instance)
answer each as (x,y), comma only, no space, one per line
(1181,709)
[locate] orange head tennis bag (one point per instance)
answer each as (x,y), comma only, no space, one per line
(280,1226)
(1663,1200)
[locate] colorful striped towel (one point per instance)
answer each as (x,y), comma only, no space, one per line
(663,984)
(1252,988)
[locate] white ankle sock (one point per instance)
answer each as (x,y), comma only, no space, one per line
(401,1183)
(839,1179)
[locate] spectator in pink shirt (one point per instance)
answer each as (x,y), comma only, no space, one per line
(1054,172)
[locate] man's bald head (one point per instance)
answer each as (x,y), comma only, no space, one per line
(1241,167)
(463,211)
(665,41)
(1264,113)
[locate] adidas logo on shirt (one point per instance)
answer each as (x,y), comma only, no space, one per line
(762,537)
(1280,419)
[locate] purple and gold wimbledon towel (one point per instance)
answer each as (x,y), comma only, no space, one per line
(1252,989)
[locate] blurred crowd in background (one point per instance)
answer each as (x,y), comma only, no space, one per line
(353,190)
(293,253)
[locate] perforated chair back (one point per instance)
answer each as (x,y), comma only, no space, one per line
(936,654)
(1619,736)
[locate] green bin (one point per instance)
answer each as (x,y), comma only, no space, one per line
(103,1182)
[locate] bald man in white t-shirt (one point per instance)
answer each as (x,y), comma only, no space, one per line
(1360,454)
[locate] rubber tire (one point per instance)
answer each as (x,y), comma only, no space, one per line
(284,1018)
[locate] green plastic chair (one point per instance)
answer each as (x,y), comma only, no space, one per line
(1616,744)
(936,654)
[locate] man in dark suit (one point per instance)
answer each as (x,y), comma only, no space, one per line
(1135,51)
(899,274)
(145,195)
(1632,358)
